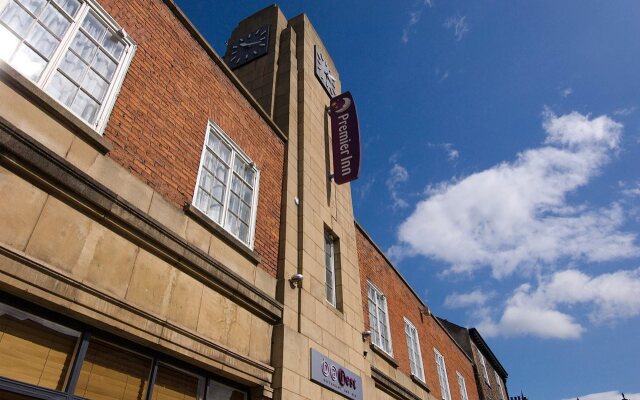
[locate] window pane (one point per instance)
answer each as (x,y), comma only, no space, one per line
(70,6)
(17,19)
(247,194)
(214,211)
(85,107)
(84,47)
(94,27)
(33,5)
(42,41)
(218,391)
(243,232)
(111,373)
(54,20)
(104,65)
(172,384)
(113,44)
(34,350)
(95,85)
(28,62)
(73,66)
(62,89)
(8,43)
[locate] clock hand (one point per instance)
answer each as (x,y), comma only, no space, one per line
(248,44)
(330,76)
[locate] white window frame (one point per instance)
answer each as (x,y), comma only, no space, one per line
(413,346)
(445,391)
(376,337)
(213,128)
(484,367)
(110,97)
(330,267)
(500,387)
(463,386)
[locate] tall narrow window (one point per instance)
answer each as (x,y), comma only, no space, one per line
(463,386)
(330,267)
(413,345)
(227,188)
(442,375)
(500,387)
(484,368)
(70,48)
(379,319)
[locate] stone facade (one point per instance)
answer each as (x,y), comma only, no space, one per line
(95,226)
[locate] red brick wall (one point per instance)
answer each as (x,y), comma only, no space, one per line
(158,125)
(401,302)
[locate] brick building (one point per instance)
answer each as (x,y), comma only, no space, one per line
(490,375)
(170,228)
(412,352)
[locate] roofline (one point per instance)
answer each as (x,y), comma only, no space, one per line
(180,15)
(393,267)
(483,346)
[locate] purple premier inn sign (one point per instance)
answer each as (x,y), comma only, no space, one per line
(345,138)
(330,374)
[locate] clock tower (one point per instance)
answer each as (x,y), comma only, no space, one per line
(294,81)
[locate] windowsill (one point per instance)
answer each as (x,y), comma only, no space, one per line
(384,355)
(337,311)
(420,383)
(40,98)
(219,231)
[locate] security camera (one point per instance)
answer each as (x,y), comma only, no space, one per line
(365,335)
(296,280)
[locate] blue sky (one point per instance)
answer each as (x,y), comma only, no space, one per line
(501,142)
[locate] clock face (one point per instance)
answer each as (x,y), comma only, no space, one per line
(248,48)
(323,73)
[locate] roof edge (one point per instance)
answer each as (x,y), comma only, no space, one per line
(393,267)
(479,341)
(181,16)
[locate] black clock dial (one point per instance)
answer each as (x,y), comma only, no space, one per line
(248,48)
(324,74)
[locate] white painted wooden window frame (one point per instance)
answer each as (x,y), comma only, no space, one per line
(413,345)
(214,129)
(377,338)
(330,267)
(441,366)
(463,386)
(115,85)
(484,367)
(500,387)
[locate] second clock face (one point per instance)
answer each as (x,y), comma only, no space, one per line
(323,73)
(248,48)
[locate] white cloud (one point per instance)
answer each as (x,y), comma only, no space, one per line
(612,395)
(459,25)
(452,152)
(630,190)
(462,300)
(609,297)
(516,215)
(624,111)
(566,92)
(398,174)
(414,17)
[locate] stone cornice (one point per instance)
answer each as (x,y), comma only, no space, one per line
(35,163)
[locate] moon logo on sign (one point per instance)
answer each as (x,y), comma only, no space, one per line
(345,105)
